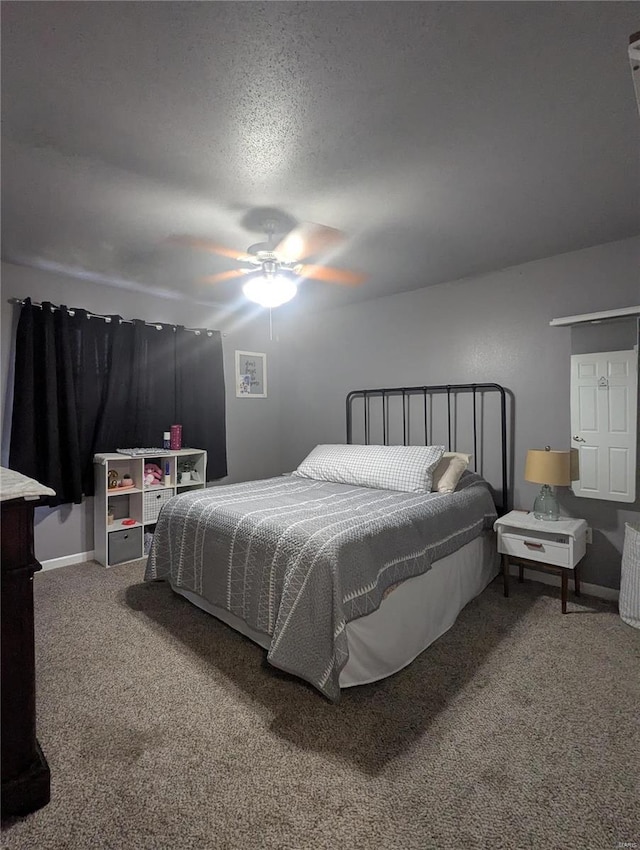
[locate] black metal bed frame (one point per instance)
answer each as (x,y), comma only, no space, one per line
(426,392)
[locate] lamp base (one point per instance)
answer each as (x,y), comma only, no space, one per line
(546,505)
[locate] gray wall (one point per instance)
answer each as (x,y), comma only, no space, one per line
(493,327)
(252,424)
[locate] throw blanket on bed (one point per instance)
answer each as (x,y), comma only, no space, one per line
(297,559)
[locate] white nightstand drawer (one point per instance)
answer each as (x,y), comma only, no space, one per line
(535,549)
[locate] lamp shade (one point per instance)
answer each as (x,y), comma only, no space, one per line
(548,467)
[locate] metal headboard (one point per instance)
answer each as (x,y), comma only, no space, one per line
(429,394)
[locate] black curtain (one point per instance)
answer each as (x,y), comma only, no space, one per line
(201,405)
(83,386)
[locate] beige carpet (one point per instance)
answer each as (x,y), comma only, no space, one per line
(165,729)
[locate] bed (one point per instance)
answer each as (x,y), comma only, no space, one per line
(341,583)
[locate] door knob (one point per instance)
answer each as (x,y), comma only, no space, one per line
(579,439)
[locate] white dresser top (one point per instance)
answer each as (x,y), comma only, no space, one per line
(15,485)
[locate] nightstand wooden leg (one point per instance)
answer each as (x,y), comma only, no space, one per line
(564,591)
(576,580)
(505,574)
(521,574)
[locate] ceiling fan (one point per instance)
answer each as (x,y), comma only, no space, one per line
(274,269)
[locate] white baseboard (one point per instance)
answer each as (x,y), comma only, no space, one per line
(67,560)
(598,590)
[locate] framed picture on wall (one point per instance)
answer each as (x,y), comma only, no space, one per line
(251,374)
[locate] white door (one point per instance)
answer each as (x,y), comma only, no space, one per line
(604,393)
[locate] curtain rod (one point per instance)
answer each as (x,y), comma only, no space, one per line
(20,302)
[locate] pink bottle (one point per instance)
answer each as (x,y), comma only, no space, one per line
(176,438)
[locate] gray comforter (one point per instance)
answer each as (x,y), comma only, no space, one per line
(297,559)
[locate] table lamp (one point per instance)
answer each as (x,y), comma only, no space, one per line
(547,468)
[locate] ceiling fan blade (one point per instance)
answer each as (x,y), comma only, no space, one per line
(307,240)
(230,275)
(330,275)
(211,247)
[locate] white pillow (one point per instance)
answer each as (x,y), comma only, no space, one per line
(404,468)
(449,471)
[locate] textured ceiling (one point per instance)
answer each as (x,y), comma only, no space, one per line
(446,139)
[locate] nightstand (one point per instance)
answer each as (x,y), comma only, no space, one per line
(538,544)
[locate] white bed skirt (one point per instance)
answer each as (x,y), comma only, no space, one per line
(411,618)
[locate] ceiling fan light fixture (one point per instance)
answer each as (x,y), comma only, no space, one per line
(270,291)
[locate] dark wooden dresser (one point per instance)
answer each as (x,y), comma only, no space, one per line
(25,772)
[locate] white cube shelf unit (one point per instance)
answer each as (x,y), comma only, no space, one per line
(115,542)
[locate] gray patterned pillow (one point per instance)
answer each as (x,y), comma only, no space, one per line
(405,468)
